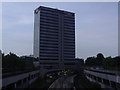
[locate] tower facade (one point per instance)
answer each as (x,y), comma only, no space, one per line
(119,28)
(54,37)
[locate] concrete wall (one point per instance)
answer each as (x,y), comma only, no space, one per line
(114,78)
(36,33)
(104,79)
(0,69)
(119,28)
(20,81)
(102,85)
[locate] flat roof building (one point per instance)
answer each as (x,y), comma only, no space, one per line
(54,37)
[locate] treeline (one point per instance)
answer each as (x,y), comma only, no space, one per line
(12,63)
(102,62)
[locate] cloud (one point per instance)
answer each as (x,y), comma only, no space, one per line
(25,20)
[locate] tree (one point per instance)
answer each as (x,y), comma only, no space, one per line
(80,62)
(107,62)
(99,59)
(100,56)
(111,63)
(9,62)
(12,63)
(90,61)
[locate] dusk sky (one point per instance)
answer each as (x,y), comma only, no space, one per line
(96,27)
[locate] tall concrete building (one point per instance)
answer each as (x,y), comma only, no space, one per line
(119,28)
(54,37)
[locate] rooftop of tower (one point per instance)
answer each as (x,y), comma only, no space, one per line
(53,9)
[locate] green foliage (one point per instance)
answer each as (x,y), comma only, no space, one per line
(111,63)
(13,63)
(106,63)
(10,62)
(91,61)
(80,62)
(100,56)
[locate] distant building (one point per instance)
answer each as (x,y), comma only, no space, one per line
(29,56)
(54,37)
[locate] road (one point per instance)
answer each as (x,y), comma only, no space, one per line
(63,82)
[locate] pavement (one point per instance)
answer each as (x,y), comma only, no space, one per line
(63,82)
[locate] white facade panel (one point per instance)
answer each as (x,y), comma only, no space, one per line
(36,33)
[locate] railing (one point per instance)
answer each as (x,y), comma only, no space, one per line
(107,79)
(9,74)
(20,81)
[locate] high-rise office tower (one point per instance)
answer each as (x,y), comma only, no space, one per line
(119,28)
(54,37)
